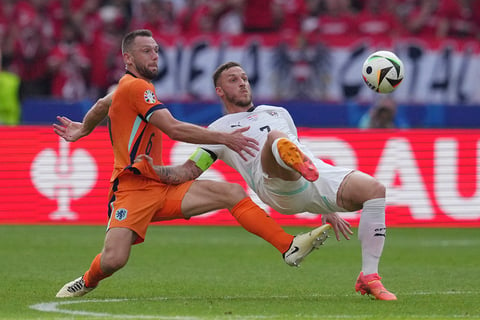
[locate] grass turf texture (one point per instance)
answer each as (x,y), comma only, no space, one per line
(197,272)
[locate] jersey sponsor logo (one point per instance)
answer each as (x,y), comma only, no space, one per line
(253,117)
(235,125)
(121,214)
(149,96)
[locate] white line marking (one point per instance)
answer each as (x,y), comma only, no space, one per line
(55,306)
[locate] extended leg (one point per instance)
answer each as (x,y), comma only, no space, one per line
(212,195)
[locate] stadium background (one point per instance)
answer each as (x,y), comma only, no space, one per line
(308,60)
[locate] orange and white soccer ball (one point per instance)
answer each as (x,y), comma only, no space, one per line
(383,71)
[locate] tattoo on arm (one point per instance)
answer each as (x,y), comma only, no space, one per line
(178,174)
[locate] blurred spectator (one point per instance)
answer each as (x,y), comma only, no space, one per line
(444,18)
(310,21)
(383,114)
(105,52)
(10,108)
(300,69)
(196,17)
(33,33)
(377,18)
(262,16)
(69,65)
(157,16)
(420,19)
(336,18)
(228,16)
(457,18)
(7,30)
(124,6)
(85,14)
(293,13)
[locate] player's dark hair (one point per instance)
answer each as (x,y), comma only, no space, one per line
(221,68)
(130,37)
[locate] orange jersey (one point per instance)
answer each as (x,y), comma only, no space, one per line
(131,134)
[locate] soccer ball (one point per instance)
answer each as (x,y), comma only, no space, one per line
(383,71)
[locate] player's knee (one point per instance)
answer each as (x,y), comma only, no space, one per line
(112,262)
(374,189)
(377,189)
(275,134)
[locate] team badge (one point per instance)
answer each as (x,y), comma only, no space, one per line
(121,214)
(149,96)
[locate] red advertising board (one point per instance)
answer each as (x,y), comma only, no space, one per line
(431,175)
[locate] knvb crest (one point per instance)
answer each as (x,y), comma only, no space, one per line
(121,214)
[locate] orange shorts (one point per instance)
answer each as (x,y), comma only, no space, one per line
(136,201)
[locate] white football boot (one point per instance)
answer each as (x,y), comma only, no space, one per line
(304,243)
(75,288)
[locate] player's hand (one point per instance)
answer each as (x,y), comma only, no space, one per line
(69,130)
(238,143)
(140,158)
(339,225)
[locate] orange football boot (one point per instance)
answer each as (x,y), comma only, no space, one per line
(371,285)
(295,159)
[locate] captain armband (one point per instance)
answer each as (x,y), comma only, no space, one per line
(203,158)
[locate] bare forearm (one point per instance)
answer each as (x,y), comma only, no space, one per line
(178,174)
(96,114)
(184,131)
(190,133)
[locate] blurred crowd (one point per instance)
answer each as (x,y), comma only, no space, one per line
(71,48)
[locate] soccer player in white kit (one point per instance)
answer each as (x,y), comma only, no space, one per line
(288,177)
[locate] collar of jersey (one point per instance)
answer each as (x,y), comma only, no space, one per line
(128,72)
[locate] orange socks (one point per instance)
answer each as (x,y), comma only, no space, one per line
(255,220)
(250,216)
(95,274)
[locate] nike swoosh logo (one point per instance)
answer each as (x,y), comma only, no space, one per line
(295,249)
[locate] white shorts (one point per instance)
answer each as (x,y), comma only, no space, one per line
(292,197)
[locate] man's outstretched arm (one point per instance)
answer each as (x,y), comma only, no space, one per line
(72,130)
(190,133)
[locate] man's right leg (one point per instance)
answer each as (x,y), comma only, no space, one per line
(114,256)
(204,196)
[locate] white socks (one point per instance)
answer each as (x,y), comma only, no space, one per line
(371,233)
(277,157)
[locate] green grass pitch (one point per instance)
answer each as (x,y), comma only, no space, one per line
(197,272)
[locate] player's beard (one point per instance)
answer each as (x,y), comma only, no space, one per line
(239,102)
(147,73)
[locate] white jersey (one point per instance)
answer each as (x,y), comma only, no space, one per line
(287,197)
